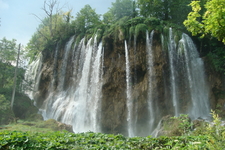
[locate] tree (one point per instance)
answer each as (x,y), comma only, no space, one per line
(49,8)
(15,79)
(4,110)
(54,27)
(86,19)
(122,8)
(210,22)
(7,57)
(169,10)
(7,50)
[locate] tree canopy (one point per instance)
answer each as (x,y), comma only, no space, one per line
(8,56)
(126,18)
(86,19)
(122,8)
(7,50)
(169,10)
(210,22)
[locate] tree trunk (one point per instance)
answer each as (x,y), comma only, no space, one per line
(14,86)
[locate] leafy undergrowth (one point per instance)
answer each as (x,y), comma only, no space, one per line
(45,135)
(66,140)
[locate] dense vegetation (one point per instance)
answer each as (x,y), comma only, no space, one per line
(70,141)
(125,19)
(128,18)
(8,56)
(206,20)
(207,137)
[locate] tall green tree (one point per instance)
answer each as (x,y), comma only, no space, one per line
(122,8)
(8,53)
(210,22)
(169,10)
(7,50)
(86,19)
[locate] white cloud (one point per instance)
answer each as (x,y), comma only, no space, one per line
(3,5)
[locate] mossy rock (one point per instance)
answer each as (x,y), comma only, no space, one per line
(54,125)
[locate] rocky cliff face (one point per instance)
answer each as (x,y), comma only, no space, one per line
(111,111)
(114,117)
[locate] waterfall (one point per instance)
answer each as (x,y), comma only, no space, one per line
(135,59)
(199,92)
(32,77)
(55,67)
(135,111)
(150,65)
(173,82)
(55,103)
(158,83)
(95,88)
(62,74)
(129,96)
(78,104)
(187,77)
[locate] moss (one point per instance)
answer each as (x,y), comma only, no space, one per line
(51,124)
(140,28)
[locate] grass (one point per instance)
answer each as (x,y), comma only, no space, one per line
(34,126)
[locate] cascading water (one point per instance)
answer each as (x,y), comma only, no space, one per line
(173,82)
(32,77)
(78,104)
(149,41)
(54,103)
(134,81)
(62,74)
(130,118)
(73,84)
(187,78)
(194,66)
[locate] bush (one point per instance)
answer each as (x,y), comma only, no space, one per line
(5,111)
(216,133)
(90,140)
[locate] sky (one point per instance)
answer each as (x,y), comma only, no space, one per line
(19,22)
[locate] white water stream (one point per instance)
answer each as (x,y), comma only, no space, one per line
(150,65)
(130,117)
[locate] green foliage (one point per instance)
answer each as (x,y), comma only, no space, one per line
(119,30)
(217,59)
(211,137)
(211,22)
(8,50)
(5,111)
(216,133)
(122,8)
(140,28)
(86,20)
(136,20)
(152,21)
(185,124)
(8,54)
(169,10)
(90,140)
(52,29)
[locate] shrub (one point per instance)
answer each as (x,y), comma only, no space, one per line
(216,133)
(5,111)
